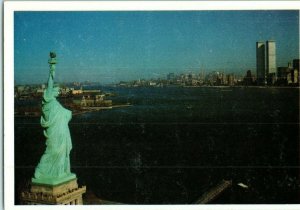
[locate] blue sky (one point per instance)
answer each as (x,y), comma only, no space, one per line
(111,46)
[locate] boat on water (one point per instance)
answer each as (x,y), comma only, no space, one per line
(189,107)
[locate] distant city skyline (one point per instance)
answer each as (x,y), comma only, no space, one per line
(108,47)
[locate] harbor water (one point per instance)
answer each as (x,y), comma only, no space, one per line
(175,143)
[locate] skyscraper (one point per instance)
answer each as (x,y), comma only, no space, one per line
(271,61)
(260,63)
(296,64)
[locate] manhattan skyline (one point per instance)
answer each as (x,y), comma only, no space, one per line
(111,46)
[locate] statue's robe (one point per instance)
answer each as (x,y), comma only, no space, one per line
(55,162)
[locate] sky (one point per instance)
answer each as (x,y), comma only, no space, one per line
(113,46)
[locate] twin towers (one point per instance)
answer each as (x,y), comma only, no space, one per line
(266,62)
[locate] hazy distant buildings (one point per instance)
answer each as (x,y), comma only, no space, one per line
(171,76)
(260,63)
(230,79)
(76,92)
(248,79)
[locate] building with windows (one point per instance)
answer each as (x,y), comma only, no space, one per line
(271,62)
(260,63)
(296,64)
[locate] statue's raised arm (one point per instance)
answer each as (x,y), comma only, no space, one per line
(52,61)
(51,91)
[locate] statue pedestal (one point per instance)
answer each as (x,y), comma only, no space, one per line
(67,193)
(53,181)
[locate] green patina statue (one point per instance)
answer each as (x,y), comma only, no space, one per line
(54,166)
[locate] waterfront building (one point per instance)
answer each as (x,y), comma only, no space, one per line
(296,64)
(230,79)
(282,75)
(171,76)
(87,101)
(93,101)
(260,63)
(64,91)
(271,62)
(151,83)
(290,65)
(289,78)
(39,91)
(195,82)
(296,76)
(223,79)
(296,68)
(288,75)
(20,88)
(91,91)
(292,77)
(248,79)
(75,92)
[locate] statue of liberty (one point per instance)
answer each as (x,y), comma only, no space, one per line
(54,165)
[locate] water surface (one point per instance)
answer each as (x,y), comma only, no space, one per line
(175,143)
